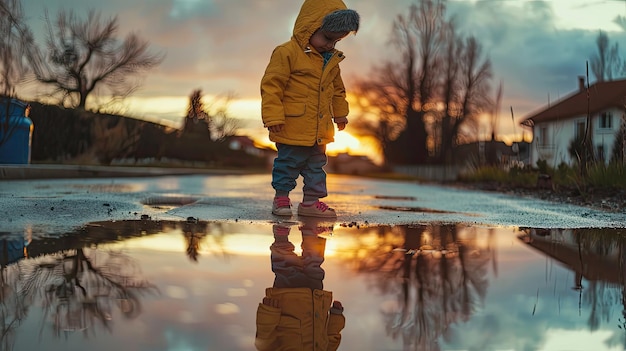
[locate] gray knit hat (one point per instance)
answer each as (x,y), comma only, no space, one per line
(341,21)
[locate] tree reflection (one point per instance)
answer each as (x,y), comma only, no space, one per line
(79,286)
(439,274)
(82,289)
(199,236)
(204,237)
(194,232)
(13,306)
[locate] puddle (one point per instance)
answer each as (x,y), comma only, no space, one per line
(194,285)
(171,200)
(406,208)
(411,209)
(399,198)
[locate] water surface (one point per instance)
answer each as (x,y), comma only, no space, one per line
(196,285)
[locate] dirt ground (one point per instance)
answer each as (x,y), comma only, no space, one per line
(611,200)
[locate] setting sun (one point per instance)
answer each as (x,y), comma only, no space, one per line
(344,142)
(247,111)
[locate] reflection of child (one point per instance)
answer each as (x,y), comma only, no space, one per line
(302,95)
(296,313)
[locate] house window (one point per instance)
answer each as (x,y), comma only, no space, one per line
(543,136)
(606,119)
(580,130)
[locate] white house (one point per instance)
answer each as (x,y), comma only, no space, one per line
(555,126)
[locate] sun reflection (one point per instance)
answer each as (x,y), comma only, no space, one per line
(240,244)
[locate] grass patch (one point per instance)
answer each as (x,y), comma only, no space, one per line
(599,176)
(517,177)
(611,176)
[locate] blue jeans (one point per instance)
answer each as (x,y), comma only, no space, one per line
(293,271)
(293,161)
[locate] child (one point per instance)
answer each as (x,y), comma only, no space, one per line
(296,312)
(302,95)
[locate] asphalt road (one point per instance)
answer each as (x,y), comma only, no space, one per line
(41,207)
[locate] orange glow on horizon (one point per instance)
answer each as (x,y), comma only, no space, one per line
(344,142)
(247,110)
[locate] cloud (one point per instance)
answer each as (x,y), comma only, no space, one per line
(223,46)
(538,61)
(192,8)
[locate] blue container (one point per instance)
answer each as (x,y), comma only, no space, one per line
(16,132)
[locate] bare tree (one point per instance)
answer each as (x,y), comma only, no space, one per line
(464,76)
(607,64)
(418,36)
(441,135)
(197,119)
(212,118)
(15,41)
(407,85)
(196,110)
(222,124)
(381,109)
(86,57)
(437,88)
(473,91)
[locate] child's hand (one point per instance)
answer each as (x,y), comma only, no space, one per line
(277,128)
(337,308)
(340,122)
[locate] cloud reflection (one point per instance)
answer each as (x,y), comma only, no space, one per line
(413,287)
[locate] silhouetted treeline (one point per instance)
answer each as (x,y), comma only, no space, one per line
(83,137)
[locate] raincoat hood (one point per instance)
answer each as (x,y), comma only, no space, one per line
(311,16)
(301,89)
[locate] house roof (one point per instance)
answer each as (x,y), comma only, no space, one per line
(242,139)
(602,95)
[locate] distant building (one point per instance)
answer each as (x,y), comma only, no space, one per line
(557,125)
(245,143)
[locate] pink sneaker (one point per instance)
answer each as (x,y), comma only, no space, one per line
(280,230)
(318,209)
(281,206)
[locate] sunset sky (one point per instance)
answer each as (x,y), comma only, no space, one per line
(538,48)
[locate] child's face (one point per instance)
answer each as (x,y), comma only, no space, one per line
(324,41)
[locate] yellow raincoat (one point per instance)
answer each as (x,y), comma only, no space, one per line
(303,321)
(297,90)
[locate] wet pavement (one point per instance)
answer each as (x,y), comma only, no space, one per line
(183,262)
(54,206)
